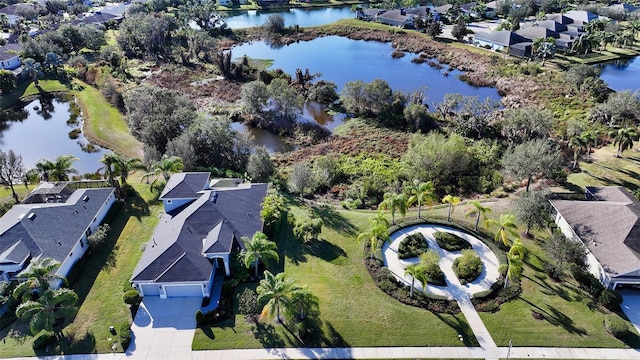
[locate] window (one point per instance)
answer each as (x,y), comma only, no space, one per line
(169,201)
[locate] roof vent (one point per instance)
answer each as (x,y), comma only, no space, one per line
(214,197)
(85,198)
(31,216)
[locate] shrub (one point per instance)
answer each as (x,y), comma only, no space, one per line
(248,302)
(131,297)
(468,266)
(616,326)
(451,242)
(125,335)
(412,246)
(43,339)
(610,299)
(588,281)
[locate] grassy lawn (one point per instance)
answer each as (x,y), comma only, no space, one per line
(100,286)
(354,311)
(606,169)
(28,89)
(104,124)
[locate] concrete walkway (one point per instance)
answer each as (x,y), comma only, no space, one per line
(454,290)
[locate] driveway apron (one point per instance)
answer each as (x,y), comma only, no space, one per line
(164,328)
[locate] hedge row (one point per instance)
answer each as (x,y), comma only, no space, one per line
(450,242)
(412,246)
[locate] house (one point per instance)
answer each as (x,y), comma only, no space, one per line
(497,40)
(10,56)
(551,25)
(54,221)
(369,14)
(97,18)
(534,32)
(581,17)
(203,223)
(13,11)
(607,221)
(395,18)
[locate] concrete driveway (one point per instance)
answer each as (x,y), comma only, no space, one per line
(164,328)
(631,306)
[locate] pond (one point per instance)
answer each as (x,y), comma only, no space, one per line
(300,17)
(622,74)
(341,60)
(42,129)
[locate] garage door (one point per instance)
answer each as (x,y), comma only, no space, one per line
(150,290)
(183,291)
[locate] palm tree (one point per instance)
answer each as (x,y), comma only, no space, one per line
(39,275)
(63,167)
(393,202)
(417,272)
(276,291)
(302,301)
(576,143)
(126,167)
(478,210)
(544,48)
(378,231)
(623,138)
(52,305)
(259,247)
(452,201)
(421,193)
(166,167)
(507,224)
(43,169)
(513,269)
(109,161)
(589,137)
(517,249)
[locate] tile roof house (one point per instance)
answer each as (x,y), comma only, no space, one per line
(54,221)
(203,222)
(608,223)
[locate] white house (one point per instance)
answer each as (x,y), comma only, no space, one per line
(203,223)
(54,221)
(608,223)
(10,56)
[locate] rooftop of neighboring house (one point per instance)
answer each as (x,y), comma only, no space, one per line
(9,51)
(187,185)
(608,222)
(502,37)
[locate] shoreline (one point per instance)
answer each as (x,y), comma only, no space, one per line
(254,7)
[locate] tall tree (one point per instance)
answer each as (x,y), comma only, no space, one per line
(623,139)
(40,275)
(50,306)
(421,193)
(302,301)
(168,165)
(452,201)
(260,166)
(589,137)
(393,202)
(301,178)
(308,228)
(533,208)
(530,158)
(513,269)
(125,167)
(577,144)
(63,167)
(506,226)
(11,171)
(417,272)
(479,211)
(259,248)
(276,291)
(544,48)
(378,231)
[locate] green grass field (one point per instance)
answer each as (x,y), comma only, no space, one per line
(28,89)
(606,169)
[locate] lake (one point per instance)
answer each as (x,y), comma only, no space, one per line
(41,130)
(341,60)
(622,74)
(300,17)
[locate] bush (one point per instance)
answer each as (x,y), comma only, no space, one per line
(616,326)
(610,299)
(451,242)
(468,266)
(248,302)
(131,297)
(125,335)
(43,339)
(412,246)
(588,281)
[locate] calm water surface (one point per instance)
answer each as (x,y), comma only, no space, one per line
(622,74)
(40,130)
(300,17)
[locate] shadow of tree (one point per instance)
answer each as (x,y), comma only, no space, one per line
(557,318)
(324,250)
(461,327)
(267,335)
(334,220)
(334,338)
(69,343)
(549,289)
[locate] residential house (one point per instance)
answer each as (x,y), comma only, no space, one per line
(498,40)
(607,221)
(623,8)
(581,17)
(396,18)
(10,56)
(12,12)
(97,18)
(369,14)
(54,222)
(203,223)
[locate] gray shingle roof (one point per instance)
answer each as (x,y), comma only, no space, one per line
(535,32)
(502,37)
(547,24)
(185,185)
(50,230)
(176,251)
(9,51)
(610,227)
